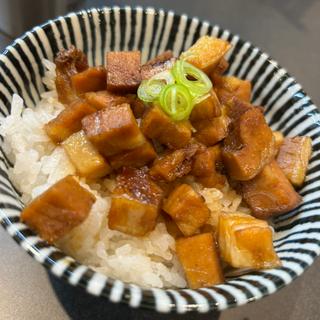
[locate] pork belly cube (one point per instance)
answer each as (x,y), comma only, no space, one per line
(138,107)
(135,203)
(210,132)
(293,158)
(68,121)
(92,79)
(203,163)
(200,260)
(206,109)
(123,71)
(221,67)
(270,193)
(104,99)
(157,125)
(207,166)
(249,146)
(64,206)
(171,226)
(235,107)
(113,130)
(68,63)
(187,208)
(173,165)
(246,242)
(137,157)
(206,53)
(160,63)
(85,157)
(237,87)
(278,140)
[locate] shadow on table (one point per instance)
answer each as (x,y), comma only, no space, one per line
(80,305)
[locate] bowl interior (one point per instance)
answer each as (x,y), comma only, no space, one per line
(287,108)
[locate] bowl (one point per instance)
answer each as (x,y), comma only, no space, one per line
(287,108)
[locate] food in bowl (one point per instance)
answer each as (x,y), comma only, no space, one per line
(161,174)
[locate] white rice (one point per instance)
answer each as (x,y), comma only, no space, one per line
(38,163)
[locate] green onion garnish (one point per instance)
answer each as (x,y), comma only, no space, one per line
(177,90)
(176,102)
(191,77)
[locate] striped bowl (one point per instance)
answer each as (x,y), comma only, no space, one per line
(287,108)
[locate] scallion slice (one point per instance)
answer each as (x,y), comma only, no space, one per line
(176,102)
(191,77)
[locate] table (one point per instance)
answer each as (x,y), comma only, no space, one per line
(289,31)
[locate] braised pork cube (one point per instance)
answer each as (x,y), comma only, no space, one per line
(249,146)
(278,139)
(68,63)
(137,157)
(209,132)
(237,87)
(207,167)
(171,226)
(123,71)
(206,53)
(173,165)
(92,79)
(113,130)
(246,242)
(157,125)
(203,163)
(104,99)
(206,109)
(222,66)
(135,203)
(236,107)
(200,260)
(293,158)
(160,63)
(270,193)
(138,107)
(85,157)
(68,121)
(187,208)
(64,206)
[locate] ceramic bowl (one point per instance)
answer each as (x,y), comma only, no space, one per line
(287,108)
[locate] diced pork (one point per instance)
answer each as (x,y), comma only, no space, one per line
(123,71)
(58,210)
(200,260)
(160,63)
(85,157)
(206,109)
(206,53)
(137,157)
(135,203)
(270,193)
(113,130)
(68,63)
(293,158)
(157,125)
(187,208)
(173,165)
(246,242)
(92,79)
(68,121)
(249,146)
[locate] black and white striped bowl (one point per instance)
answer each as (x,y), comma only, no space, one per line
(287,108)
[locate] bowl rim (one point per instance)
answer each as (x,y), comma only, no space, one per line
(147,294)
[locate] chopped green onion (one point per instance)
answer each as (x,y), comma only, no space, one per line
(166,76)
(198,85)
(176,101)
(149,90)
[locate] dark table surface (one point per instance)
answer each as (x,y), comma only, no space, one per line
(289,31)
